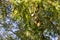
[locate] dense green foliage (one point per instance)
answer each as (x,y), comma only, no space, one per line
(35,18)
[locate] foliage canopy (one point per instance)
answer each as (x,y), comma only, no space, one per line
(36,19)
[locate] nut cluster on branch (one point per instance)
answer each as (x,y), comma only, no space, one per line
(36,20)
